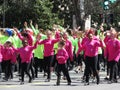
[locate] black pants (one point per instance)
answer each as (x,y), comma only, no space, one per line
(91,64)
(12,69)
(0,69)
(63,68)
(19,64)
(25,69)
(118,68)
(38,64)
(80,59)
(32,68)
(108,68)
(113,70)
(7,68)
(47,64)
(99,61)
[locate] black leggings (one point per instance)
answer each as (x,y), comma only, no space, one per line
(113,70)
(7,68)
(63,68)
(91,64)
(0,68)
(79,59)
(47,64)
(38,64)
(32,68)
(25,69)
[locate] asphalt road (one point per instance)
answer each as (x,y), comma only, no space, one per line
(40,84)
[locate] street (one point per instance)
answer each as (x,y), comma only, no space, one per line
(40,84)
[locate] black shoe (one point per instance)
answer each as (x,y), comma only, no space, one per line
(21,83)
(36,76)
(57,83)
(30,80)
(5,79)
(98,81)
(115,81)
(47,80)
(69,83)
(86,83)
(106,78)
(110,82)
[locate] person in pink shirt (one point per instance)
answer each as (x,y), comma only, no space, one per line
(106,39)
(26,55)
(68,47)
(112,53)
(62,57)
(7,56)
(90,48)
(0,59)
(25,35)
(48,52)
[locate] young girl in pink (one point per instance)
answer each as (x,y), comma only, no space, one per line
(62,57)
(26,55)
(68,48)
(7,56)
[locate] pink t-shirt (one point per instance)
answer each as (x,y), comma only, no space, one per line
(7,53)
(112,51)
(29,40)
(48,46)
(62,56)
(68,47)
(26,53)
(90,47)
(1,47)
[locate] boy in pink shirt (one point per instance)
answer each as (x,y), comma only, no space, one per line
(61,58)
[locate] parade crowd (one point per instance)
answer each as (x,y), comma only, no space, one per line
(31,50)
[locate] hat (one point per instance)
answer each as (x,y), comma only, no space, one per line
(9,31)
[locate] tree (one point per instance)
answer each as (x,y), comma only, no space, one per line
(40,11)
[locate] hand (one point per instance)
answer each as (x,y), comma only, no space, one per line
(38,36)
(15,29)
(25,24)
(31,22)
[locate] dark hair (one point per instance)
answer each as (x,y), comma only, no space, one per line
(8,42)
(69,31)
(62,42)
(25,34)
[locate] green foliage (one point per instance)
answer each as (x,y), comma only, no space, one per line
(40,11)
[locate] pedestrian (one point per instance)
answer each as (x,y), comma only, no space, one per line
(48,52)
(62,57)
(90,48)
(112,52)
(26,55)
(7,53)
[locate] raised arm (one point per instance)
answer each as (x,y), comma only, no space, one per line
(19,35)
(33,28)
